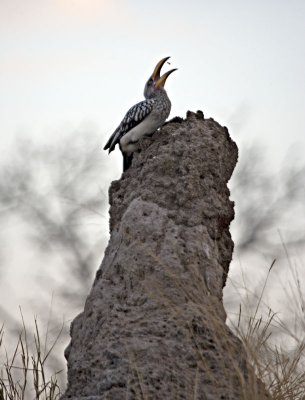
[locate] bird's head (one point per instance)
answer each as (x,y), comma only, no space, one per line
(156,82)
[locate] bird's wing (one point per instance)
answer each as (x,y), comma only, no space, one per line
(133,117)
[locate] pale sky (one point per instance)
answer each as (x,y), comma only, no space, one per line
(68,63)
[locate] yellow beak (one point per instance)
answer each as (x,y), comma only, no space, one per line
(161,81)
(156,74)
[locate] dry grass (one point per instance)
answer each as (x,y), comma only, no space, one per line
(280,365)
(24,371)
(275,349)
(24,374)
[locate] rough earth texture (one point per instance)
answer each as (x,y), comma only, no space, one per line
(153,326)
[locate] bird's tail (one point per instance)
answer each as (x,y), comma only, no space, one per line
(127,160)
(113,140)
(108,144)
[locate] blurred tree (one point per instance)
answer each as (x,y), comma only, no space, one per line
(60,191)
(265,203)
(57,190)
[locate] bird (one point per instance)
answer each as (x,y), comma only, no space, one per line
(144,118)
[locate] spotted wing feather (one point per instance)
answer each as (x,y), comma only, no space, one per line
(133,117)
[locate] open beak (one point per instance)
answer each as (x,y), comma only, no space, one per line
(161,81)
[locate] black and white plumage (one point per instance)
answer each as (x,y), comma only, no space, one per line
(144,118)
(134,116)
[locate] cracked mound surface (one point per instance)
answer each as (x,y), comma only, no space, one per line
(153,326)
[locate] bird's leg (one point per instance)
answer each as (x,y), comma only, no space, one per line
(127,160)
